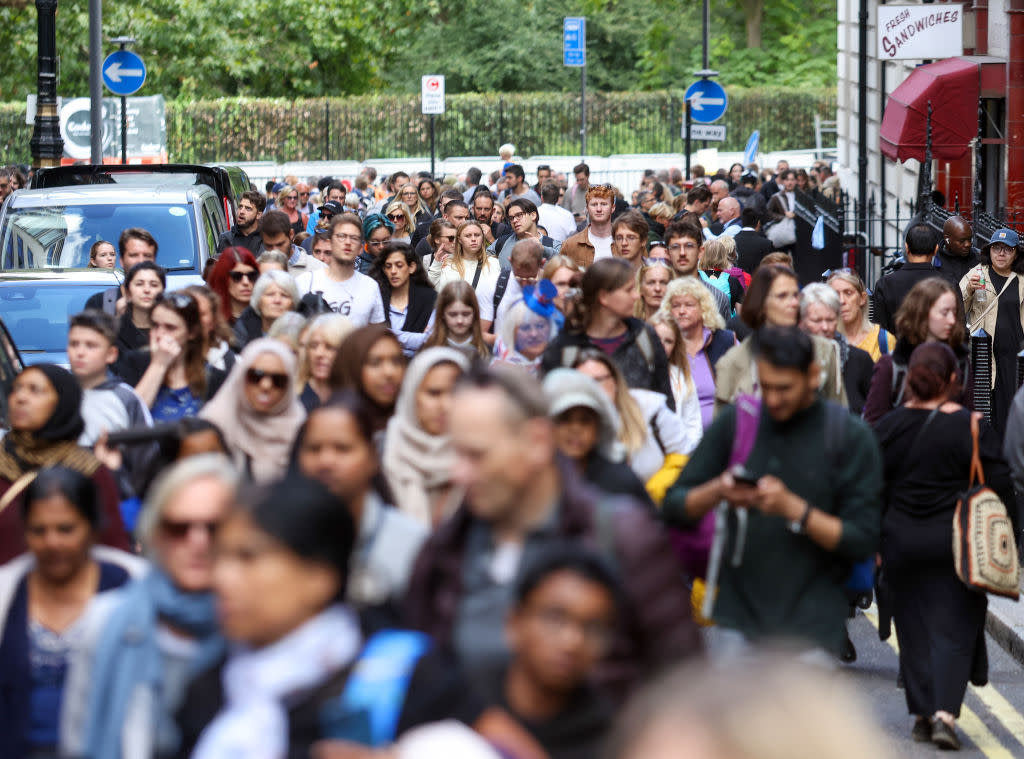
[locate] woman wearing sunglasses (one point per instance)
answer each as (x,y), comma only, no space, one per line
(172,377)
(410,196)
(233,278)
(258,409)
(398,213)
(139,645)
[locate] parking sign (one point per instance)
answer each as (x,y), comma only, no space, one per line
(432,94)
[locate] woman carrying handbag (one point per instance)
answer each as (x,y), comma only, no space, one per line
(928,449)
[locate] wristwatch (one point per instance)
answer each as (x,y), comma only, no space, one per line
(799,526)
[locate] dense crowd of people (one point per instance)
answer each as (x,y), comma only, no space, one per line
(469,466)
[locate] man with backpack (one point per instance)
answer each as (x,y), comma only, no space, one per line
(792,483)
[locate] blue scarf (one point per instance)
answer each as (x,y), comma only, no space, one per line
(127,655)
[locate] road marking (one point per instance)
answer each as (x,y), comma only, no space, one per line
(969,722)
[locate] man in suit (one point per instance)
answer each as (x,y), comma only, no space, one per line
(751,245)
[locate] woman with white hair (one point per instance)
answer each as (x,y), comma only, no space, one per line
(141,643)
(527,327)
(689,303)
(820,314)
(273,294)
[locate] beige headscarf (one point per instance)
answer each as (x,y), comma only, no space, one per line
(414,461)
(260,443)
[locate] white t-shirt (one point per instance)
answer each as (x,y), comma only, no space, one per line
(602,245)
(357,298)
(559,223)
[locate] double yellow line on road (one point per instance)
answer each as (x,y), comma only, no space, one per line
(972,725)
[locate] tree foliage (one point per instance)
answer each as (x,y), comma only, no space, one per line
(303,48)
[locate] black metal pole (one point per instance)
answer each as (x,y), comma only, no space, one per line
(124,125)
(46,143)
(432,145)
(686,135)
(862,105)
(583,112)
(95,81)
(706,23)
(327,130)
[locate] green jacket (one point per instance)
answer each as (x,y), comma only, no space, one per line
(787,586)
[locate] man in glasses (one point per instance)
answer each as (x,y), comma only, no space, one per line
(135,245)
(685,243)
(335,194)
(594,241)
(345,290)
(276,233)
(246,231)
(522,215)
(559,223)
(304,205)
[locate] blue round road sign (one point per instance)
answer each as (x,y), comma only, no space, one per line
(123,72)
(708,101)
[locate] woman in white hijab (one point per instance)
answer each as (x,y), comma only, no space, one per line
(418,458)
(257,409)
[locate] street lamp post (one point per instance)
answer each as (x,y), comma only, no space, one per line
(47,145)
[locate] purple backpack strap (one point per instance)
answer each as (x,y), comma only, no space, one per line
(693,547)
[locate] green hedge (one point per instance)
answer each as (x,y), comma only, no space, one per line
(391,126)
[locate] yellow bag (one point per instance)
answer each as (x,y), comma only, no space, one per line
(666,477)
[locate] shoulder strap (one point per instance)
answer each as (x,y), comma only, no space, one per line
(476,274)
(883,341)
(643,342)
(379,681)
(977,473)
(500,286)
(748,419)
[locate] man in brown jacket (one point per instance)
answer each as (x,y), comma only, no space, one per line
(521,499)
(595,240)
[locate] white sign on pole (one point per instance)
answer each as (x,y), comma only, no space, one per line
(920,31)
(710,132)
(432,94)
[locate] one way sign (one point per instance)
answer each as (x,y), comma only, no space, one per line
(708,101)
(123,72)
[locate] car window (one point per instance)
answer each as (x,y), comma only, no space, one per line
(37,315)
(10,367)
(210,229)
(60,236)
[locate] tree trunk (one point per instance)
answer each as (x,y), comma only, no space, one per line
(753,13)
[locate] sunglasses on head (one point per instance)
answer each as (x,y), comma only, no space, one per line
(180,301)
(656,262)
(179,529)
(256,376)
(238,276)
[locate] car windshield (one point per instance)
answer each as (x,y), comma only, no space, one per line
(37,315)
(60,236)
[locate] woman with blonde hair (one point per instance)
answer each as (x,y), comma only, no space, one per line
(323,338)
(409,195)
(683,389)
(715,262)
(400,215)
(470,261)
(651,434)
(652,279)
(705,339)
(288,203)
(853,315)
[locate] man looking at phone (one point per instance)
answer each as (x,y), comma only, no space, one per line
(802,514)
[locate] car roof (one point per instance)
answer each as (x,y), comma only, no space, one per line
(104,194)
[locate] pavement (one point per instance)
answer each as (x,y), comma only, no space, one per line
(1005,624)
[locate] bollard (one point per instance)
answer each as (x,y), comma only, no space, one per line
(981,371)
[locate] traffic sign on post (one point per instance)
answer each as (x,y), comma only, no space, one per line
(123,72)
(432,94)
(709,132)
(574,41)
(707,99)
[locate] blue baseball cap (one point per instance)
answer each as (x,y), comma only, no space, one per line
(1005,236)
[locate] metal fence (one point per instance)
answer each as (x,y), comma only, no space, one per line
(391,126)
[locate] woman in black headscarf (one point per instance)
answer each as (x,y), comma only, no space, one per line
(46,421)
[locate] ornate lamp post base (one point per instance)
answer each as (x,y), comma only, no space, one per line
(47,145)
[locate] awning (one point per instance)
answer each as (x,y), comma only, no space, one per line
(952,88)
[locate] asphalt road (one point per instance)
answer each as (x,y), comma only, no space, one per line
(991,724)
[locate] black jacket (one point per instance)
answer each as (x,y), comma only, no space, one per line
(951,267)
(130,337)
(248,327)
(233,237)
(421,306)
(751,247)
(891,289)
(857,373)
(629,357)
(616,477)
(132,365)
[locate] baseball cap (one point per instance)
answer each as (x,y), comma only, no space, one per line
(278,186)
(330,208)
(1005,236)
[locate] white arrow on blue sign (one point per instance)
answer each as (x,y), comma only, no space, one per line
(708,101)
(574,41)
(123,72)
